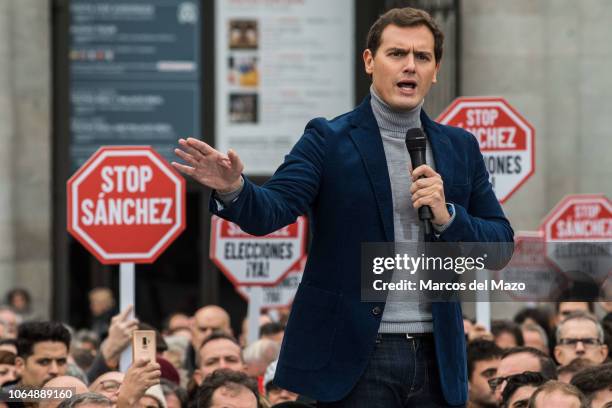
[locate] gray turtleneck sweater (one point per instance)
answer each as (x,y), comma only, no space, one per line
(401,315)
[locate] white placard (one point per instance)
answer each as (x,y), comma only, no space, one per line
(278,65)
(257,261)
(280,295)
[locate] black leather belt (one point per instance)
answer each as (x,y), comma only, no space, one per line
(406,335)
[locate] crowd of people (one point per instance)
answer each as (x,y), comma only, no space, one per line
(199,362)
(543,358)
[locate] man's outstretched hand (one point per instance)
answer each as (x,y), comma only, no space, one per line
(208,166)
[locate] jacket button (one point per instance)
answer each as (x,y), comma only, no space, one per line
(377,311)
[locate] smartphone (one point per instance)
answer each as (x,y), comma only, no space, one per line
(143,345)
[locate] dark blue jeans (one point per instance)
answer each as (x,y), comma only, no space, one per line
(402,373)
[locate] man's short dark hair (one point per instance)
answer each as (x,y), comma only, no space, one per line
(538,315)
(576,365)
(593,379)
(548,368)
(12,342)
(224,378)
(30,333)
(590,305)
(481,350)
(270,329)
(6,357)
(405,17)
(520,380)
(506,326)
(11,294)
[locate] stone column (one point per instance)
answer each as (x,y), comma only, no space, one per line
(32,149)
(7,134)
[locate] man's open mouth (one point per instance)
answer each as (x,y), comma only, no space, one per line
(407,84)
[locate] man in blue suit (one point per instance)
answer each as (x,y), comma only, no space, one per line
(352,177)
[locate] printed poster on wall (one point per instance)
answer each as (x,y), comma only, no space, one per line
(134,74)
(279,64)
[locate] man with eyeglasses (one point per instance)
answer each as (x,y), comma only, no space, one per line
(580,336)
(519,389)
(518,360)
(108,384)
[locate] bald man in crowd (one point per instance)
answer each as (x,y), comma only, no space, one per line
(557,394)
(66,382)
(205,320)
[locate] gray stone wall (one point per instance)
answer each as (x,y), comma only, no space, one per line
(551,59)
(25,149)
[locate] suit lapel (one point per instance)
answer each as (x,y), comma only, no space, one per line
(441,149)
(366,137)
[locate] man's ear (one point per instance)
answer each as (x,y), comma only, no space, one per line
(368,61)
(604,353)
(557,352)
(197,376)
(19,365)
(435,77)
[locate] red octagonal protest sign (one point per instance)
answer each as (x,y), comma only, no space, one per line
(579,218)
(506,139)
(578,233)
(126,204)
(257,261)
(529,265)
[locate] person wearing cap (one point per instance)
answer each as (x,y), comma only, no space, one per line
(152,398)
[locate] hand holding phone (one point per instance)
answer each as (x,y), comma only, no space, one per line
(144,345)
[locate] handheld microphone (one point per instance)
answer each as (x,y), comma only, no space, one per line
(416,143)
